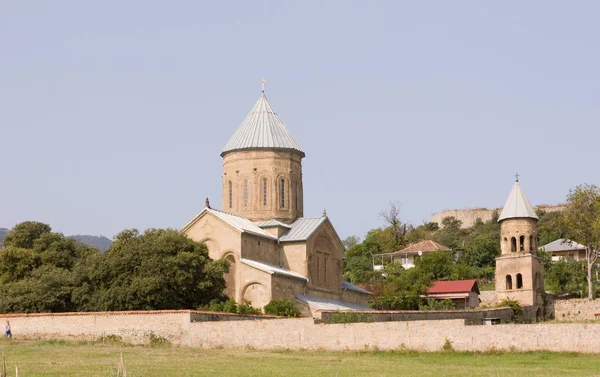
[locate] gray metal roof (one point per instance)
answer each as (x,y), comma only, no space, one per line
(302,228)
(240,223)
(271,269)
(517,205)
(351,287)
(562,245)
(319,303)
(272,223)
(262,128)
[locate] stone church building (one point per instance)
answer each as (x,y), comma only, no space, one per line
(274,252)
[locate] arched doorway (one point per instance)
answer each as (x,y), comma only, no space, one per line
(230,277)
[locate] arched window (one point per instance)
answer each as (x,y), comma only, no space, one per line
(513,244)
(230,194)
(264,191)
(505,244)
(282,188)
(245,193)
(325,270)
(531,244)
(508,282)
(519,281)
(522,243)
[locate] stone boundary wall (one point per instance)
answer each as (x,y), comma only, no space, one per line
(469,216)
(304,333)
(576,309)
(470,317)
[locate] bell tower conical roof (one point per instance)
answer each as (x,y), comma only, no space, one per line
(262,129)
(517,205)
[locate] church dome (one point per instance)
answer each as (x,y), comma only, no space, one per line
(262,129)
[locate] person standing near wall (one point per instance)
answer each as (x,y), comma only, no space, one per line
(7,332)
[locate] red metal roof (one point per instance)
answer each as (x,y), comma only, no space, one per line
(454,286)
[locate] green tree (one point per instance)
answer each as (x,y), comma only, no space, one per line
(581,223)
(25,234)
(438,265)
(401,290)
(351,241)
(481,251)
(566,276)
(159,269)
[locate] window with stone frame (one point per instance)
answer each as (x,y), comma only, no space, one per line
(230,194)
(264,191)
(245,193)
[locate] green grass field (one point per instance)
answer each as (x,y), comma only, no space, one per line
(55,358)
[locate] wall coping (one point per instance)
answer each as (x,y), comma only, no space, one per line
(132,312)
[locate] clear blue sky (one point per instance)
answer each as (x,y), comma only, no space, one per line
(113,113)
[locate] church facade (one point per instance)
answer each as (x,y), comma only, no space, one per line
(274,252)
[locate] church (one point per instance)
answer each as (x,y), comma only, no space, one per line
(274,252)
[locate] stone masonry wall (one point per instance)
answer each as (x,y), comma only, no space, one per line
(469,216)
(303,333)
(576,309)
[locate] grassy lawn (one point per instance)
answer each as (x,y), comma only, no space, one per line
(39,358)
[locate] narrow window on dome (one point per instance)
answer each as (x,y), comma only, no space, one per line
(282,183)
(296,196)
(264,192)
(245,193)
(230,194)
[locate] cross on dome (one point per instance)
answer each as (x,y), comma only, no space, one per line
(263,81)
(516,175)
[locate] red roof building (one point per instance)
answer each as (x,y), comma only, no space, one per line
(464,293)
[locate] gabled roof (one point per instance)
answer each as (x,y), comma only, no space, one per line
(261,129)
(272,223)
(454,286)
(425,246)
(302,229)
(517,205)
(562,245)
(271,269)
(319,303)
(240,223)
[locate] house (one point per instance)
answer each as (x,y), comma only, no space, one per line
(407,255)
(464,293)
(565,249)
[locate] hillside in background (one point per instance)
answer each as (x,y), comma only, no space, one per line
(3,233)
(99,242)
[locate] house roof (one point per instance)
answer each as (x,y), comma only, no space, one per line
(240,223)
(272,223)
(426,246)
(261,129)
(319,303)
(351,287)
(272,269)
(454,286)
(302,228)
(517,205)
(562,245)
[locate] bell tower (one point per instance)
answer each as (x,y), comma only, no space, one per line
(262,168)
(519,271)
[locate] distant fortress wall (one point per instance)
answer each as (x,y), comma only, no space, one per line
(469,216)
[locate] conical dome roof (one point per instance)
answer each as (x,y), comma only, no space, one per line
(517,205)
(262,129)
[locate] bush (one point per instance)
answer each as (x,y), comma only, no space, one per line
(514,305)
(438,305)
(230,306)
(247,308)
(349,317)
(282,308)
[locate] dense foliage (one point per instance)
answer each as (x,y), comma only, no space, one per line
(224,305)
(282,308)
(42,271)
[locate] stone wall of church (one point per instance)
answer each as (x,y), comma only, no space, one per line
(263,185)
(219,238)
(260,249)
(325,261)
(294,258)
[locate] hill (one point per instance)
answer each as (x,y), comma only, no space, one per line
(99,242)
(3,233)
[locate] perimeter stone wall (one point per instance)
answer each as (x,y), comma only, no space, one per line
(304,333)
(576,309)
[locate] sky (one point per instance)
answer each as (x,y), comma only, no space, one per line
(113,113)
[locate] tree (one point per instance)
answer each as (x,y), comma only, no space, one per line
(351,241)
(24,234)
(159,269)
(401,290)
(581,223)
(481,251)
(395,227)
(437,265)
